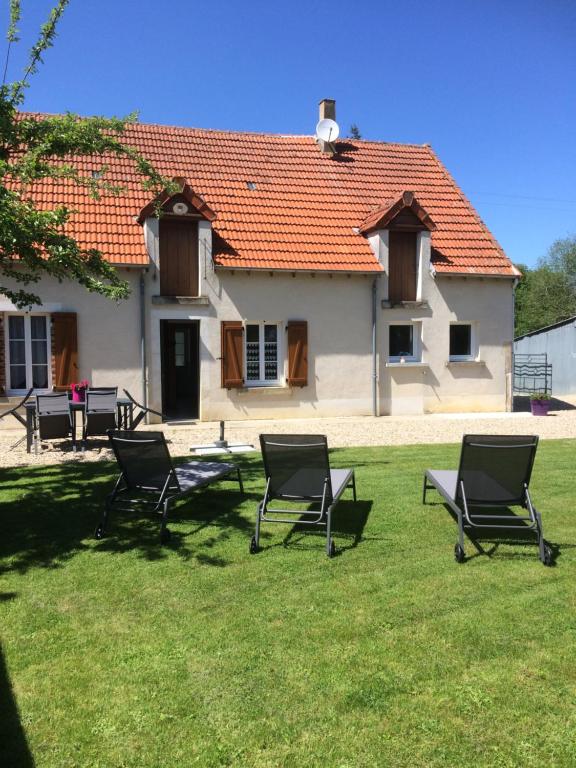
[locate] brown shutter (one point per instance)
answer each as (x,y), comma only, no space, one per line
(297,353)
(232,353)
(64,349)
(402,275)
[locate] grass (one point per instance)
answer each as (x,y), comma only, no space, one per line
(121,653)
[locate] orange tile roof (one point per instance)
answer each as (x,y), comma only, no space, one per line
(302,210)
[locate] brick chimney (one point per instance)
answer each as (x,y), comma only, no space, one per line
(327,109)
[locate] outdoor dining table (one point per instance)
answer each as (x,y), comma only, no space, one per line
(124,407)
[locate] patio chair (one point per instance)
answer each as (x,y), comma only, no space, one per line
(53,418)
(146,470)
(298,470)
(100,412)
(13,411)
(143,410)
(494,472)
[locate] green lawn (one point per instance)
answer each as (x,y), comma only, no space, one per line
(123,653)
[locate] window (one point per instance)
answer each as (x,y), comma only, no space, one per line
(262,354)
(461,342)
(404,343)
(28,352)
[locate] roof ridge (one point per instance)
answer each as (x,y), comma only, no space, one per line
(171,126)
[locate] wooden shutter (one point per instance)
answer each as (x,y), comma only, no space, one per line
(232,333)
(64,349)
(178,257)
(297,353)
(402,266)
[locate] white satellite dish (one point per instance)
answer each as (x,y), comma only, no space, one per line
(327,130)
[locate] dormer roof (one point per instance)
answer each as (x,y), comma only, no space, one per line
(383,216)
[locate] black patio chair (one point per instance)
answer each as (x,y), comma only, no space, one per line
(100,412)
(146,470)
(13,411)
(143,410)
(298,470)
(53,419)
(494,472)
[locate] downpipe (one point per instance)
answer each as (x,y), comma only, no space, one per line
(374,351)
(143,362)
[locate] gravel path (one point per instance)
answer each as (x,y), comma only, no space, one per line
(341,432)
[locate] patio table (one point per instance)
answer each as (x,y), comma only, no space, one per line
(124,407)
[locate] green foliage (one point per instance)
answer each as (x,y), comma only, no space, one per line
(121,652)
(354,132)
(547,294)
(540,396)
(34,242)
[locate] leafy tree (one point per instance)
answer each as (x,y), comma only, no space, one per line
(34,242)
(547,294)
(354,132)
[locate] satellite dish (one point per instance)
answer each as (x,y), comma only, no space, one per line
(327,130)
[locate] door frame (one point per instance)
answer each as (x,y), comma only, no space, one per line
(164,324)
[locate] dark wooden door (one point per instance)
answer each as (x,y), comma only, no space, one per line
(180,369)
(402,266)
(178,257)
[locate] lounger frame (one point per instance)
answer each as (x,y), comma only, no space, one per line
(164,483)
(464,506)
(324,489)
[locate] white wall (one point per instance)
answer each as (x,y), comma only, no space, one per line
(108,332)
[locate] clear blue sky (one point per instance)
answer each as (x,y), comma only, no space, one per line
(490,84)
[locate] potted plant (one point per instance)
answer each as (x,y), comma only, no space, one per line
(540,403)
(79,391)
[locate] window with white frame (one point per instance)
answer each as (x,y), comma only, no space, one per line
(404,343)
(28,352)
(461,342)
(262,350)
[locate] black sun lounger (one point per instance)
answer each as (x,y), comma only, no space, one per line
(494,472)
(298,470)
(146,470)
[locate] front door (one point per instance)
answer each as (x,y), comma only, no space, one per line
(180,368)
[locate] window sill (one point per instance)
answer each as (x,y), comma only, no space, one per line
(202,301)
(408,364)
(464,363)
(265,390)
(404,304)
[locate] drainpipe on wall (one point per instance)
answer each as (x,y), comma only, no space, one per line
(511,390)
(374,354)
(143,339)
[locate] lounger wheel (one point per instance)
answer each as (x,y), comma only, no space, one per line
(254,548)
(99,532)
(459,554)
(165,536)
(548,555)
(331,548)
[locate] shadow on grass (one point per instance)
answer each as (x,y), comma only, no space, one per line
(348,523)
(49,514)
(500,534)
(14,749)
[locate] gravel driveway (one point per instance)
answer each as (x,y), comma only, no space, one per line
(342,431)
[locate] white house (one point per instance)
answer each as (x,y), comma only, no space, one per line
(285,278)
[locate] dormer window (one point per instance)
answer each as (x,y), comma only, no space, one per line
(178,237)
(401,222)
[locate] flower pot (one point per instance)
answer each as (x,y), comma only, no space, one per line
(78,396)
(540,407)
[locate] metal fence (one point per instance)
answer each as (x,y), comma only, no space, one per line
(532,373)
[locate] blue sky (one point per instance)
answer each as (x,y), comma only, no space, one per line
(491,85)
